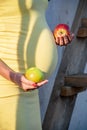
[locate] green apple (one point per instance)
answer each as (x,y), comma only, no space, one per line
(34,74)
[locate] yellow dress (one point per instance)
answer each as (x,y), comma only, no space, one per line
(25,41)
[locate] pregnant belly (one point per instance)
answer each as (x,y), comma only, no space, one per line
(30,46)
(42,52)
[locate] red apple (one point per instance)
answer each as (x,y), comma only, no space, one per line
(61,30)
(34,74)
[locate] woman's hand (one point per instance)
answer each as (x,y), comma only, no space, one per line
(62,34)
(18,78)
(24,83)
(64,40)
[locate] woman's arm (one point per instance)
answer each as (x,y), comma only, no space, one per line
(5,70)
(18,78)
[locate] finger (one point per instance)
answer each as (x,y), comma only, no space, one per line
(66,40)
(27,82)
(57,40)
(70,37)
(28,87)
(42,83)
(61,41)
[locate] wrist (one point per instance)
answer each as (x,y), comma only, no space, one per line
(16,77)
(12,75)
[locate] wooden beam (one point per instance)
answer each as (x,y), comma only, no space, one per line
(77,80)
(71,91)
(73,84)
(60,108)
(84,22)
(82,32)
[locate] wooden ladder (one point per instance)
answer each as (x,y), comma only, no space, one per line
(60,107)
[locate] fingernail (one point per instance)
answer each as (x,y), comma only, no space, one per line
(35,85)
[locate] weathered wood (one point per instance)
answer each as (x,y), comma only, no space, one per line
(82,32)
(84,22)
(74,84)
(60,109)
(77,80)
(70,91)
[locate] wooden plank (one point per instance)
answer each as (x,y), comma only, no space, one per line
(60,109)
(77,80)
(74,84)
(71,91)
(82,32)
(84,22)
